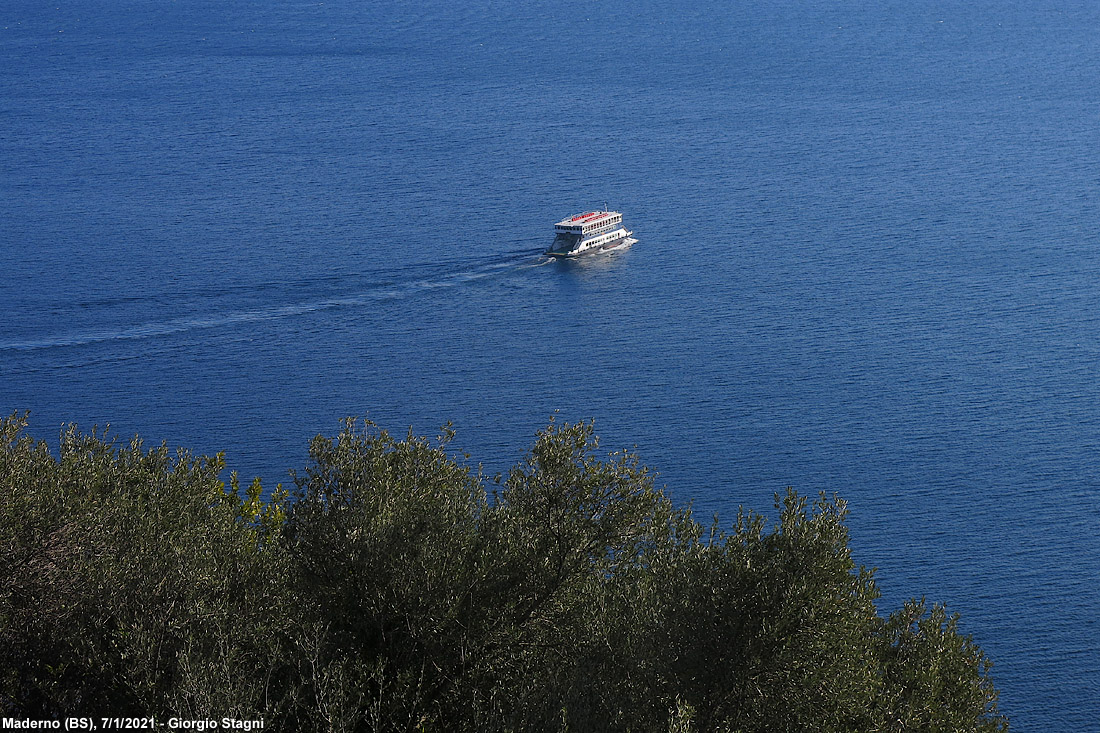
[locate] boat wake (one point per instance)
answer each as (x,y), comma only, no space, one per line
(413,280)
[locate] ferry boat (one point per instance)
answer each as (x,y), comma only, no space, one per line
(592,231)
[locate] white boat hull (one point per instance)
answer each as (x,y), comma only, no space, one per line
(601,243)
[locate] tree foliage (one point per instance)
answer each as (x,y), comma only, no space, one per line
(395,589)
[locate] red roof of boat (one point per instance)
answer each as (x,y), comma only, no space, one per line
(589,217)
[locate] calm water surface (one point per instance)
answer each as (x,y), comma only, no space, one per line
(868,259)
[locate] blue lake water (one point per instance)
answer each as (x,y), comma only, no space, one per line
(868,259)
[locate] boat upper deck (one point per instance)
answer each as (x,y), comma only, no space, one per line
(587,221)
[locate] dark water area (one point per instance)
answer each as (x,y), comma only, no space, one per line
(868,259)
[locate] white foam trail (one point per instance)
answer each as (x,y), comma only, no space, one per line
(388,291)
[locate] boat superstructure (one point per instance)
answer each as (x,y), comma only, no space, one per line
(592,231)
